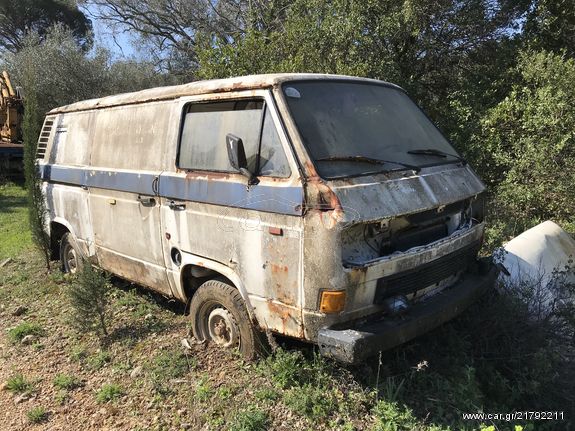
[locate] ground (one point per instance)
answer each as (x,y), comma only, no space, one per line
(144,376)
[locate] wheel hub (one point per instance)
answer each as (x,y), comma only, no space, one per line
(222,328)
(71,259)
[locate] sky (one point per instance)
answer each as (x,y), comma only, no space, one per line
(120,43)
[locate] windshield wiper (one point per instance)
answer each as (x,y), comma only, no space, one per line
(364,159)
(437,153)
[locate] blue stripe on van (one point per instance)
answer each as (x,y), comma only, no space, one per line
(276,199)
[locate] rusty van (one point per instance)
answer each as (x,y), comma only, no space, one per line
(321,207)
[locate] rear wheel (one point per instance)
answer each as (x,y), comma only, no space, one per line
(70,254)
(219,315)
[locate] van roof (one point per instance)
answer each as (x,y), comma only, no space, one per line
(200,87)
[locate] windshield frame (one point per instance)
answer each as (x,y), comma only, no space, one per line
(369,82)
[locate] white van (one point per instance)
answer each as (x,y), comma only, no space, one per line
(325,208)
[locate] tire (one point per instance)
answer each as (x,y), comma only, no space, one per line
(71,257)
(219,315)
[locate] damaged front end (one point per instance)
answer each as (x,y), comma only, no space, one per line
(402,275)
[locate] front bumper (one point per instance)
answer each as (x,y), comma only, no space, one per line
(354,345)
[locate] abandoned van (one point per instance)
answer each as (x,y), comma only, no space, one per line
(325,208)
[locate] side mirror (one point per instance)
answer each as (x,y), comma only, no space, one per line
(237,156)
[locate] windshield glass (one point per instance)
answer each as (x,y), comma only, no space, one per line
(353,129)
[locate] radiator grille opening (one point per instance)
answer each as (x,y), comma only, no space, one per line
(43,140)
(425,275)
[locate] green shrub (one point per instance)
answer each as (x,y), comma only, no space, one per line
(65,381)
(109,392)
(99,360)
(19,384)
(19,332)
(310,401)
(89,298)
(390,416)
(251,419)
(37,415)
(169,365)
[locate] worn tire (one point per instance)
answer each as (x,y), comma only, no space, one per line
(216,300)
(71,257)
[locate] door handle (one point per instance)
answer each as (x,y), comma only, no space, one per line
(177,206)
(147,201)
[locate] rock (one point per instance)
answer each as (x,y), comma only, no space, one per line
(186,426)
(3,386)
(148,316)
(5,262)
(185,344)
(19,310)
(21,398)
(136,372)
(28,339)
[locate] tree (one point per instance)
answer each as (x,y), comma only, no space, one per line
(20,17)
(63,73)
(551,25)
(529,144)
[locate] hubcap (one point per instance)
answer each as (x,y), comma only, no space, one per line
(222,328)
(71,260)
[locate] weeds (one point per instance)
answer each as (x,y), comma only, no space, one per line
(251,419)
(99,360)
(109,392)
(169,365)
(37,415)
(310,401)
(17,333)
(89,299)
(18,384)
(67,382)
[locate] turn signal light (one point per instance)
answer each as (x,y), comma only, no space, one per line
(332,301)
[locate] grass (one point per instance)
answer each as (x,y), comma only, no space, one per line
(169,365)
(109,392)
(67,382)
(14,232)
(250,419)
(37,415)
(18,384)
(98,360)
(17,333)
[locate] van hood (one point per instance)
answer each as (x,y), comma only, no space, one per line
(390,195)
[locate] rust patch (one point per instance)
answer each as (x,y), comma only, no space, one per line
(192,175)
(285,314)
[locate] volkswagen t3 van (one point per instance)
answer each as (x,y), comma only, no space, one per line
(325,208)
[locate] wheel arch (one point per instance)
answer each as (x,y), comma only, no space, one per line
(207,269)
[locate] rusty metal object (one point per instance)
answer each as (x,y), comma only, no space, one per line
(11,114)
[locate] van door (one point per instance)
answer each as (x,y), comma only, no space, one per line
(210,212)
(127,155)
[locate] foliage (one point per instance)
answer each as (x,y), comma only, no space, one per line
(25,328)
(13,221)
(250,419)
(58,72)
(109,392)
(65,381)
(167,366)
(89,298)
(310,401)
(19,384)
(37,415)
(550,25)
(529,147)
(37,211)
(20,17)
(391,417)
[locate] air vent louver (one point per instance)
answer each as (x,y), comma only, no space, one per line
(43,141)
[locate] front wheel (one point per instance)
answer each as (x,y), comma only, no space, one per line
(70,254)
(219,315)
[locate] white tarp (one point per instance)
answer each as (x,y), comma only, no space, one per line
(538,265)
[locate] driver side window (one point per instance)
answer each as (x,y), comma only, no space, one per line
(203,138)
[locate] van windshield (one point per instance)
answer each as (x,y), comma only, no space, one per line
(353,129)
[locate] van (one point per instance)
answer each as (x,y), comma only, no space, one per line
(320,207)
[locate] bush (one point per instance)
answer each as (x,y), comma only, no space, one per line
(65,381)
(37,415)
(109,392)
(90,298)
(23,329)
(251,419)
(19,384)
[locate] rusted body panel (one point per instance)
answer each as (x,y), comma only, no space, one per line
(113,181)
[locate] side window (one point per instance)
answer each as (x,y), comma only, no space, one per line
(203,139)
